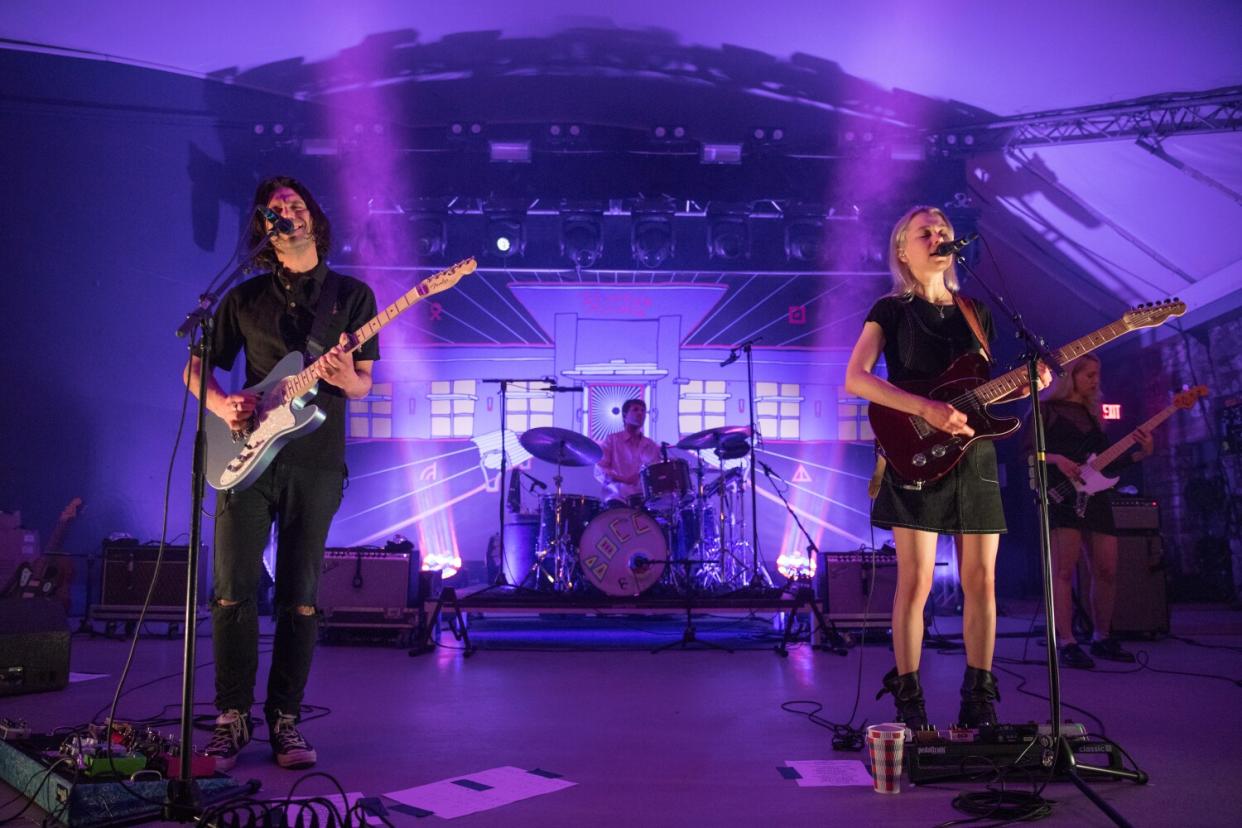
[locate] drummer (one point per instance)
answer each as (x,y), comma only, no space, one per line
(625,454)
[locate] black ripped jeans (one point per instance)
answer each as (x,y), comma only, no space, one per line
(301,502)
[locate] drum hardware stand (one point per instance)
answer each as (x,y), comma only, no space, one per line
(804,593)
(500,486)
(689,635)
(1064,761)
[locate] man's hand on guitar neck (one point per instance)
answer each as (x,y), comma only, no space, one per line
(946,418)
(337,366)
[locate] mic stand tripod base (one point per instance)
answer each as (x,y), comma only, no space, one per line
(183,800)
(688,633)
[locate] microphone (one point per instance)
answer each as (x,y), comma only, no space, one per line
(736,352)
(952,248)
(639,563)
(280,224)
(535,482)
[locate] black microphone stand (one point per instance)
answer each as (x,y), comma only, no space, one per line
(758,579)
(1063,760)
(183,799)
(804,593)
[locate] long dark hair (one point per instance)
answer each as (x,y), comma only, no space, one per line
(266,259)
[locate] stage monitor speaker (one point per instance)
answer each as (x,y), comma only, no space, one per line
(34,646)
(857,588)
(128,570)
(368,579)
(1142,603)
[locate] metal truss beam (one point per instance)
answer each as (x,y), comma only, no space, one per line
(1218,110)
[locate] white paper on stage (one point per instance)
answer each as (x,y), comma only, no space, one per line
(450,798)
(825,773)
(322,810)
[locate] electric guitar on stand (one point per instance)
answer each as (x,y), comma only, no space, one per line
(1092,471)
(920,453)
(235,459)
(49,575)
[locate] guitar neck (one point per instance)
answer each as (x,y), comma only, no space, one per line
(1008,383)
(305,380)
(1125,443)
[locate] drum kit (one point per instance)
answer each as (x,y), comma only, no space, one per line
(686,531)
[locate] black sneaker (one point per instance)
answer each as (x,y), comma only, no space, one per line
(288,745)
(1110,649)
(230,735)
(1071,655)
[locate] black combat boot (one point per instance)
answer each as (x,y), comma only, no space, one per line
(908,696)
(978,693)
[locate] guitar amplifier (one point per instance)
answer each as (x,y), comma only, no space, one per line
(128,570)
(857,587)
(1142,604)
(1127,514)
(34,646)
(376,582)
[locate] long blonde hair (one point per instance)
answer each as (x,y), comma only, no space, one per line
(1063,386)
(904,282)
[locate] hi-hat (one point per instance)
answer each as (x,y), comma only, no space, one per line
(714,437)
(561,446)
(733,447)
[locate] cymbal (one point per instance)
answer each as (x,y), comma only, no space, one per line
(562,446)
(713,437)
(733,447)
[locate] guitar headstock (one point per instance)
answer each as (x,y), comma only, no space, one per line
(1153,313)
(1187,398)
(445,279)
(71,509)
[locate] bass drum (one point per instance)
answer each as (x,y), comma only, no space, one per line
(623,551)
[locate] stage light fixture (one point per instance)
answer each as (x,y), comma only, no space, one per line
(430,233)
(804,238)
(728,236)
(651,238)
(506,235)
(582,238)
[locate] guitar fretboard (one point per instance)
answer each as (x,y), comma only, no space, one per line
(1008,383)
(305,379)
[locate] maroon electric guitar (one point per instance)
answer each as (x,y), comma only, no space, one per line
(920,453)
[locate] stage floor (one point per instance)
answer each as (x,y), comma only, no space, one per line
(692,737)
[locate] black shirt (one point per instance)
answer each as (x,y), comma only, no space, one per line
(921,340)
(271,315)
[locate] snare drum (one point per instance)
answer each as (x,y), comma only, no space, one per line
(665,485)
(576,513)
(623,551)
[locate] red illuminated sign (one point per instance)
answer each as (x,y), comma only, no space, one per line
(1112,411)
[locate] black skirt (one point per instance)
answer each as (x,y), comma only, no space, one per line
(966,501)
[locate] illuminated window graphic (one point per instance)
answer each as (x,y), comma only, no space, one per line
(526,408)
(371,416)
(778,410)
(702,405)
(452,408)
(852,422)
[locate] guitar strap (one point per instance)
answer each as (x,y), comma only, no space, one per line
(315,344)
(967,307)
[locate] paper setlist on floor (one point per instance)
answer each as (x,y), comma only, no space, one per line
(825,773)
(482,791)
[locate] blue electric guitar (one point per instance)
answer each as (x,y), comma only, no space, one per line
(235,459)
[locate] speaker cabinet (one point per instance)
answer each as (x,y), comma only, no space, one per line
(34,646)
(857,588)
(368,579)
(1142,605)
(128,571)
